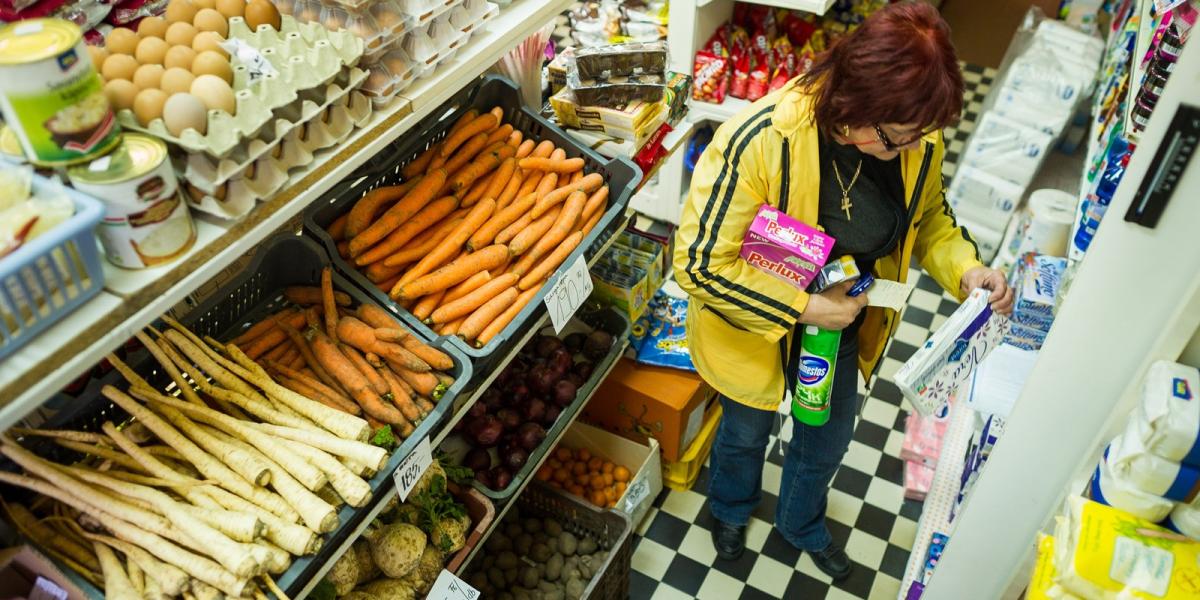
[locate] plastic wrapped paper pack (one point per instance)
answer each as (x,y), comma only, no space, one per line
(983,197)
(1042,585)
(1167,420)
(1106,554)
(1007,149)
(923,438)
(1112,490)
(1185,519)
(918,478)
(605,62)
(1131,461)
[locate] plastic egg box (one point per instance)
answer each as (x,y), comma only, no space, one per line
(446,37)
(379,25)
(422,12)
(394,72)
(266,176)
(472,15)
(302,58)
(208,173)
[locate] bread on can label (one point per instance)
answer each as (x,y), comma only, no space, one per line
(51,95)
(146,222)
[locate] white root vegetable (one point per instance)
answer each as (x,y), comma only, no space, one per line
(150,481)
(243,464)
(296,539)
(171,579)
(209,363)
(99,452)
(278,559)
(117,585)
(352,488)
(136,577)
(372,456)
(185,388)
(85,437)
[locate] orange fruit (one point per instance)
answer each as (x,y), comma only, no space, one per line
(611,494)
(561,475)
(607,467)
(608,478)
(579,468)
(621,474)
(598,498)
(545,473)
(563,454)
(554,464)
(620,488)
(595,464)
(584,480)
(583,454)
(556,485)
(597,483)
(577,490)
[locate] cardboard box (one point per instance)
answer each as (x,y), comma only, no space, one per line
(785,247)
(642,402)
(642,460)
(22,566)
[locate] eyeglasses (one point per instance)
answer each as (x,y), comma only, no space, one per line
(891,146)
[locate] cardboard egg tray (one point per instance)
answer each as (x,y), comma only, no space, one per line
(294,145)
(305,56)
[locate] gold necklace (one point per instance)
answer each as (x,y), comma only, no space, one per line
(846,204)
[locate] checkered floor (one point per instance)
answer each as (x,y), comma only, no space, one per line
(868,514)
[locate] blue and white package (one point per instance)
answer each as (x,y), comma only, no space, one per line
(1038,286)
(1024,337)
(1150,473)
(1169,413)
(1186,520)
(660,336)
(1111,490)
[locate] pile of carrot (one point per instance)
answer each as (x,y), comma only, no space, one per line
(359,360)
(480,222)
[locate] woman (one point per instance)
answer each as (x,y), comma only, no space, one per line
(855,147)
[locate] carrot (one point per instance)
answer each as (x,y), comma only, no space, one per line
(377,317)
(425,405)
(264,343)
(506,317)
(313,317)
(465,154)
(530,235)
(551,262)
(349,376)
(452,327)
(481,124)
(566,165)
(289,354)
(529,182)
(328,302)
(433,357)
(508,233)
(477,189)
(430,215)
(594,203)
(306,352)
(516,138)
(378,385)
(498,113)
(416,249)
(374,360)
(543,150)
(418,165)
(576,176)
(400,397)
(362,336)
(484,164)
(588,184)
(337,229)
(327,391)
(471,328)
(343,248)
(500,134)
(510,189)
(499,221)
(364,211)
(500,178)
(566,222)
(468,303)
(278,351)
(525,148)
(480,260)
(289,315)
(546,185)
(390,334)
(386,285)
(309,294)
(425,384)
(453,242)
(399,213)
(595,218)
(378,272)
(426,305)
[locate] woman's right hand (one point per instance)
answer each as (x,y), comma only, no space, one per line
(832,309)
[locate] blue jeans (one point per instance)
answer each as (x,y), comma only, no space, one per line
(812,458)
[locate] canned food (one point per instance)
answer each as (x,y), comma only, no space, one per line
(1141,115)
(1154,84)
(146,221)
(51,95)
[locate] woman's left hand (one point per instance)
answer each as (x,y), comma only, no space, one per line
(993,281)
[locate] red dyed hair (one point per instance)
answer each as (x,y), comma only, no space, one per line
(898,67)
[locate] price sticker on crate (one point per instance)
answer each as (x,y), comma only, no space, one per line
(412,468)
(450,587)
(568,294)
(636,494)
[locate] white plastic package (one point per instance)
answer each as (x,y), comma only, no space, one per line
(984,198)
(1006,148)
(1186,519)
(1170,412)
(1131,461)
(1111,490)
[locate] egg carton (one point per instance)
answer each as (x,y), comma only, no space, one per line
(379,25)
(472,15)
(423,12)
(208,173)
(266,176)
(393,73)
(432,45)
(304,56)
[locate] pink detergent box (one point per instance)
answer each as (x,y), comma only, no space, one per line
(785,247)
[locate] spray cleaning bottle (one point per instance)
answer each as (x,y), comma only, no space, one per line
(819,348)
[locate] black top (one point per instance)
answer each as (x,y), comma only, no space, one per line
(877,211)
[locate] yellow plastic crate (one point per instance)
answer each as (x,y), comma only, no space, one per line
(681,475)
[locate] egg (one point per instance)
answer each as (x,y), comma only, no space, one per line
(215,93)
(335,19)
(148,76)
(148,106)
(120,93)
(181,11)
(97,54)
(176,80)
(119,66)
(211,63)
(152,27)
(209,19)
(179,56)
(203,4)
(151,51)
(183,112)
(181,34)
(262,12)
(231,8)
(121,41)
(209,41)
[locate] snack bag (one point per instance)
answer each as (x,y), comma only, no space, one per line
(785,63)
(760,80)
(711,77)
(660,336)
(797,29)
(739,86)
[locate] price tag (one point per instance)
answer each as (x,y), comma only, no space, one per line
(636,494)
(410,471)
(568,294)
(450,587)
(44,589)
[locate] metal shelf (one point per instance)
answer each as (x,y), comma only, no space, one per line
(62,353)
(813,6)
(707,111)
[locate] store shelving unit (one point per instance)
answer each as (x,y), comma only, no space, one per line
(812,6)
(718,113)
(133,299)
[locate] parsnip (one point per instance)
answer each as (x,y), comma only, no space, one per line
(117,585)
(171,579)
(352,488)
(32,528)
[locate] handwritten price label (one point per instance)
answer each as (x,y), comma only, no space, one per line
(568,294)
(410,471)
(450,587)
(636,494)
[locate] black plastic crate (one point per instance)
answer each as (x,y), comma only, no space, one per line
(257,292)
(621,175)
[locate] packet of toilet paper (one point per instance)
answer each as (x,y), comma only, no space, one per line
(1185,519)
(1024,337)
(1111,490)
(1038,286)
(918,478)
(1107,554)
(1006,148)
(1042,585)
(923,438)
(1131,461)
(983,197)
(1170,412)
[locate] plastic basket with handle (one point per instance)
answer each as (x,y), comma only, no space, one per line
(52,275)
(621,175)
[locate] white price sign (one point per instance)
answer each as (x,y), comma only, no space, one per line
(410,471)
(636,494)
(568,294)
(450,587)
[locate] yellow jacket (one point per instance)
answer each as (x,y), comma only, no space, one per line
(740,319)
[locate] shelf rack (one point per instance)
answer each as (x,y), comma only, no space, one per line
(62,353)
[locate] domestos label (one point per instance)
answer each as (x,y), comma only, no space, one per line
(51,95)
(813,369)
(145,221)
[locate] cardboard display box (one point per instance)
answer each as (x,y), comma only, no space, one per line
(22,567)
(642,460)
(643,402)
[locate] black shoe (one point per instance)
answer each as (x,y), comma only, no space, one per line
(729,540)
(832,561)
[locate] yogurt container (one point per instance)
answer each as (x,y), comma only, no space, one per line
(146,221)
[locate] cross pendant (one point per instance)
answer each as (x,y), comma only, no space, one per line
(846,205)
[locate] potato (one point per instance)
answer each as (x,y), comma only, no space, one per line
(546,586)
(553,595)
(507,560)
(567,543)
(533,526)
(496,578)
(510,576)
(552,544)
(520,594)
(478,580)
(499,542)
(513,529)
(554,567)
(552,527)
(523,543)
(575,588)
(586,545)
(506,596)
(540,553)
(529,577)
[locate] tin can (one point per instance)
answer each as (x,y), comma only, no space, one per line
(51,95)
(146,221)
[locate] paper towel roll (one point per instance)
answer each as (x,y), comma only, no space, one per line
(1051,214)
